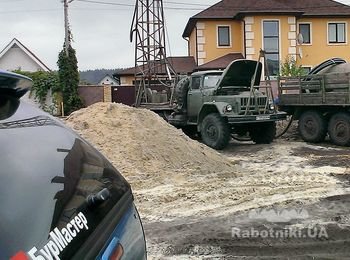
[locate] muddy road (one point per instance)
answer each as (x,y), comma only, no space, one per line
(288,200)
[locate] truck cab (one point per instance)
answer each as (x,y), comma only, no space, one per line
(217,104)
(200,88)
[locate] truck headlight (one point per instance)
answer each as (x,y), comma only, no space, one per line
(272,106)
(228,109)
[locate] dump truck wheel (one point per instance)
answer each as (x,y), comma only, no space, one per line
(215,131)
(263,133)
(312,127)
(339,129)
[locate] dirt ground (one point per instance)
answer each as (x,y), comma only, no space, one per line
(286,200)
(194,217)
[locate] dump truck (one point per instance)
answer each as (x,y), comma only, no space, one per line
(218,104)
(320,101)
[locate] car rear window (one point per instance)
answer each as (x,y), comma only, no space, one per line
(46,175)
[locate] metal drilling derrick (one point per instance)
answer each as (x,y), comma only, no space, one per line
(152,68)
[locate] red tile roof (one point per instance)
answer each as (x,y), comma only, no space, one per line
(220,63)
(181,65)
(236,9)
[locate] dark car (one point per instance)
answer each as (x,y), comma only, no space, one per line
(59,197)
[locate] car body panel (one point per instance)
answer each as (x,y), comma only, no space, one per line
(124,234)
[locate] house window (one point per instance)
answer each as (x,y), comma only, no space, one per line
(305,31)
(224,37)
(336,33)
(271,46)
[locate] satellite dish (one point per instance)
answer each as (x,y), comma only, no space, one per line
(300,39)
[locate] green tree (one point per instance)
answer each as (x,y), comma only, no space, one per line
(68,75)
(290,68)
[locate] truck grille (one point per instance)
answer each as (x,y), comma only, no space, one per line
(259,101)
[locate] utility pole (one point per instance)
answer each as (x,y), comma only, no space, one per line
(66,25)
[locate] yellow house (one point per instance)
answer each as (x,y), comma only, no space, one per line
(309,31)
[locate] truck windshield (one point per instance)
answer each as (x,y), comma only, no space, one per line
(211,80)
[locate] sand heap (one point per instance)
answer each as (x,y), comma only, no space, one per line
(137,141)
(173,176)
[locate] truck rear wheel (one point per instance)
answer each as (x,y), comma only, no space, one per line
(312,127)
(215,131)
(339,129)
(263,133)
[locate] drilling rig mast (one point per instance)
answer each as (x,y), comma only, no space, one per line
(152,68)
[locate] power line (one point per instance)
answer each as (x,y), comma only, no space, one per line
(179,3)
(30,11)
(75,9)
(132,5)
(105,3)
(201,9)
(125,5)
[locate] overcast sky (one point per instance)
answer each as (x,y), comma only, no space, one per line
(100,31)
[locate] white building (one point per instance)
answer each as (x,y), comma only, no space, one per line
(17,56)
(108,80)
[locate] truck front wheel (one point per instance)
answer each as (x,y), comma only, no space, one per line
(312,127)
(263,133)
(339,129)
(215,131)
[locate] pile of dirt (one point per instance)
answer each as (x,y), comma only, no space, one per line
(141,144)
(174,176)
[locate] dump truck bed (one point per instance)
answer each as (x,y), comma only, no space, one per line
(315,90)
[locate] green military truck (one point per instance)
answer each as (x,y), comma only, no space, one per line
(218,104)
(320,101)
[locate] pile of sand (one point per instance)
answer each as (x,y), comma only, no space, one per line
(141,144)
(173,176)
